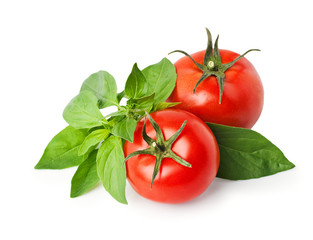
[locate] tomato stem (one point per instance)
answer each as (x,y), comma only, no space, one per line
(211,65)
(160,148)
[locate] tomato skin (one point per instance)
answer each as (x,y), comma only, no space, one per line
(243,94)
(174,183)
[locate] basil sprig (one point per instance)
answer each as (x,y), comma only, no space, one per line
(246,154)
(93,142)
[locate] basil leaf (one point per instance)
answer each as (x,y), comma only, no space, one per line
(93,139)
(144,104)
(125,129)
(161,78)
(246,154)
(83,111)
(164,105)
(103,86)
(85,177)
(136,84)
(115,114)
(120,96)
(62,150)
(111,168)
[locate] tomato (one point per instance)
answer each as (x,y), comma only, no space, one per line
(242,94)
(174,183)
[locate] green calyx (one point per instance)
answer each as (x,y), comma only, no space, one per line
(212,64)
(160,148)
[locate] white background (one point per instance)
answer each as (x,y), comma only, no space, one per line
(47,49)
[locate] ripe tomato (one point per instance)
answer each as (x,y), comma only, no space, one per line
(242,91)
(174,183)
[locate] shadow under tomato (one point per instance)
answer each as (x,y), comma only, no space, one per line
(214,192)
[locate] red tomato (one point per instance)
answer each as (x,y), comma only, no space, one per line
(242,99)
(174,183)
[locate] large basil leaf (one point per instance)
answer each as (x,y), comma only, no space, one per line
(246,154)
(94,138)
(161,78)
(103,86)
(136,85)
(125,129)
(111,168)
(83,111)
(62,150)
(85,177)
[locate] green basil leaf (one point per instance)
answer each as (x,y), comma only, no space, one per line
(103,86)
(115,114)
(85,177)
(120,96)
(62,150)
(144,104)
(125,129)
(93,139)
(246,154)
(164,105)
(136,85)
(161,78)
(111,168)
(83,111)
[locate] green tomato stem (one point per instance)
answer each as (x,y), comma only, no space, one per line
(160,148)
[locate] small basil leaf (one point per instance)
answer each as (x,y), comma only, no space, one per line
(144,104)
(115,114)
(85,177)
(103,86)
(93,139)
(164,105)
(120,96)
(116,118)
(136,84)
(246,154)
(83,111)
(125,129)
(111,168)
(161,78)
(62,150)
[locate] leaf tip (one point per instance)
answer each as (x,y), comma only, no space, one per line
(291,165)
(73,195)
(39,165)
(121,199)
